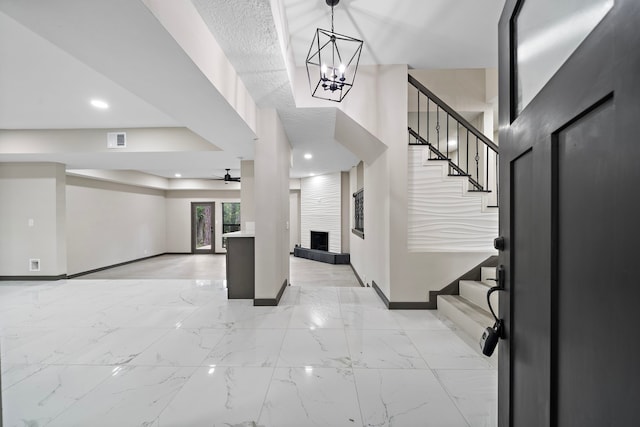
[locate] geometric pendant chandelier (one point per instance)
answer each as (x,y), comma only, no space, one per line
(332,62)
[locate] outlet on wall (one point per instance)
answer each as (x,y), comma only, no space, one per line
(34,264)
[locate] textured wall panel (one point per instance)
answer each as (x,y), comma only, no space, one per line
(320,209)
(442,215)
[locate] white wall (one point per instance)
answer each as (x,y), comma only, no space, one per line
(346,200)
(178,214)
(32,219)
(443,216)
(321,208)
(110,223)
(356,243)
(294,219)
(464,90)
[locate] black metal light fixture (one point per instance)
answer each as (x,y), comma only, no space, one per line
(332,62)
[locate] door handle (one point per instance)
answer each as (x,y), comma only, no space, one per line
(499,279)
(492,335)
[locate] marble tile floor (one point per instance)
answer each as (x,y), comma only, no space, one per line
(304,272)
(170,266)
(176,352)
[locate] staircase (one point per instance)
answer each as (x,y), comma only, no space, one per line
(469,311)
(453,202)
(451,139)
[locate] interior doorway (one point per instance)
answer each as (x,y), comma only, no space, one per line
(202,231)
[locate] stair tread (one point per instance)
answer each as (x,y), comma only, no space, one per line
(476,283)
(469,309)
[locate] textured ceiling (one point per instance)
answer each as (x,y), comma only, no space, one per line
(248,36)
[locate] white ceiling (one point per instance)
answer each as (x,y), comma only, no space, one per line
(56,56)
(422,33)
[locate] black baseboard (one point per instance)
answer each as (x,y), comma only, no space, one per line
(259,302)
(32,278)
(357,276)
(381,294)
(411,305)
(73,276)
(395,305)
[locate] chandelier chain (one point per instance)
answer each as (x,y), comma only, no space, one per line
(332,19)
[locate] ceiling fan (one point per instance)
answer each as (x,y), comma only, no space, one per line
(228,178)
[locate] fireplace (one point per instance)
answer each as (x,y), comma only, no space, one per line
(320,240)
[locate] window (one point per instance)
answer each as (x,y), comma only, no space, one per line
(230,219)
(546,33)
(358,213)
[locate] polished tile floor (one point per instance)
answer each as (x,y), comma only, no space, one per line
(175,352)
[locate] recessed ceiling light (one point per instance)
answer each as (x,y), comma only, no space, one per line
(178,175)
(312,174)
(98,103)
(308,156)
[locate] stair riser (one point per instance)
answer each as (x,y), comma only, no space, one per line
(468,325)
(487,273)
(477,294)
(471,330)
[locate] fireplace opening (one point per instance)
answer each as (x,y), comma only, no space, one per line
(320,240)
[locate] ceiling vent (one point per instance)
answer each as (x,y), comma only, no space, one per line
(116,140)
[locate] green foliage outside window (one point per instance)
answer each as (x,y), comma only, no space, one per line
(230,219)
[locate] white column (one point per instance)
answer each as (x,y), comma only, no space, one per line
(247,195)
(271,190)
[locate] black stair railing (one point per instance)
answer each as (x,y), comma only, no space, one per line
(468,152)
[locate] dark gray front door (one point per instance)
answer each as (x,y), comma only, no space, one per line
(570,215)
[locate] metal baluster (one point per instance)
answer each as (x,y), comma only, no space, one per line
(486,166)
(447,141)
(468,169)
(429,131)
(438,126)
(458,140)
(477,162)
(497,181)
(418,111)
